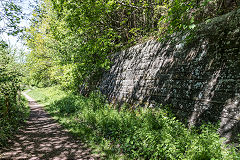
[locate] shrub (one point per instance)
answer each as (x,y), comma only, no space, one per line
(12,107)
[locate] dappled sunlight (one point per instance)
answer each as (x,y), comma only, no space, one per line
(44,138)
(147,133)
(194,72)
(204,97)
(230,117)
(132,76)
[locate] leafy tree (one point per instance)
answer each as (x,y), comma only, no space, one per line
(10,17)
(12,109)
(72,40)
(79,36)
(10,75)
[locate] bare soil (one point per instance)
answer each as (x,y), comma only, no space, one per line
(42,138)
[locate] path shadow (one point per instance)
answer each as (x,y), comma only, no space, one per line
(43,138)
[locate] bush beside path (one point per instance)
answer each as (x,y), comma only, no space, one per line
(44,138)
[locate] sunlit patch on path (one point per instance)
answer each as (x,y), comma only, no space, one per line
(44,138)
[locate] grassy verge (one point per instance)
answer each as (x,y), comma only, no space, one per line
(10,124)
(136,134)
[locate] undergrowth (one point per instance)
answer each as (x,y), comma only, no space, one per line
(9,125)
(142,133)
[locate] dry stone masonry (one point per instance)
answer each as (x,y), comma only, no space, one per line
(198,73)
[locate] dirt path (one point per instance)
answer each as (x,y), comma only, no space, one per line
(43,138)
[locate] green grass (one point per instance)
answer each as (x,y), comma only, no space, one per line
(142,133)
(17,116)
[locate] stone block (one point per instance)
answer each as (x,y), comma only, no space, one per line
(201,78)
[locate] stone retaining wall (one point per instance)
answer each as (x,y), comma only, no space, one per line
(197,73)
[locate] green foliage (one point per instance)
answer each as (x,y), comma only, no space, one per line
(9,82)
(9,126)
(12,106)
(186,14)
(10,17)
(71,41)
(143,133)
